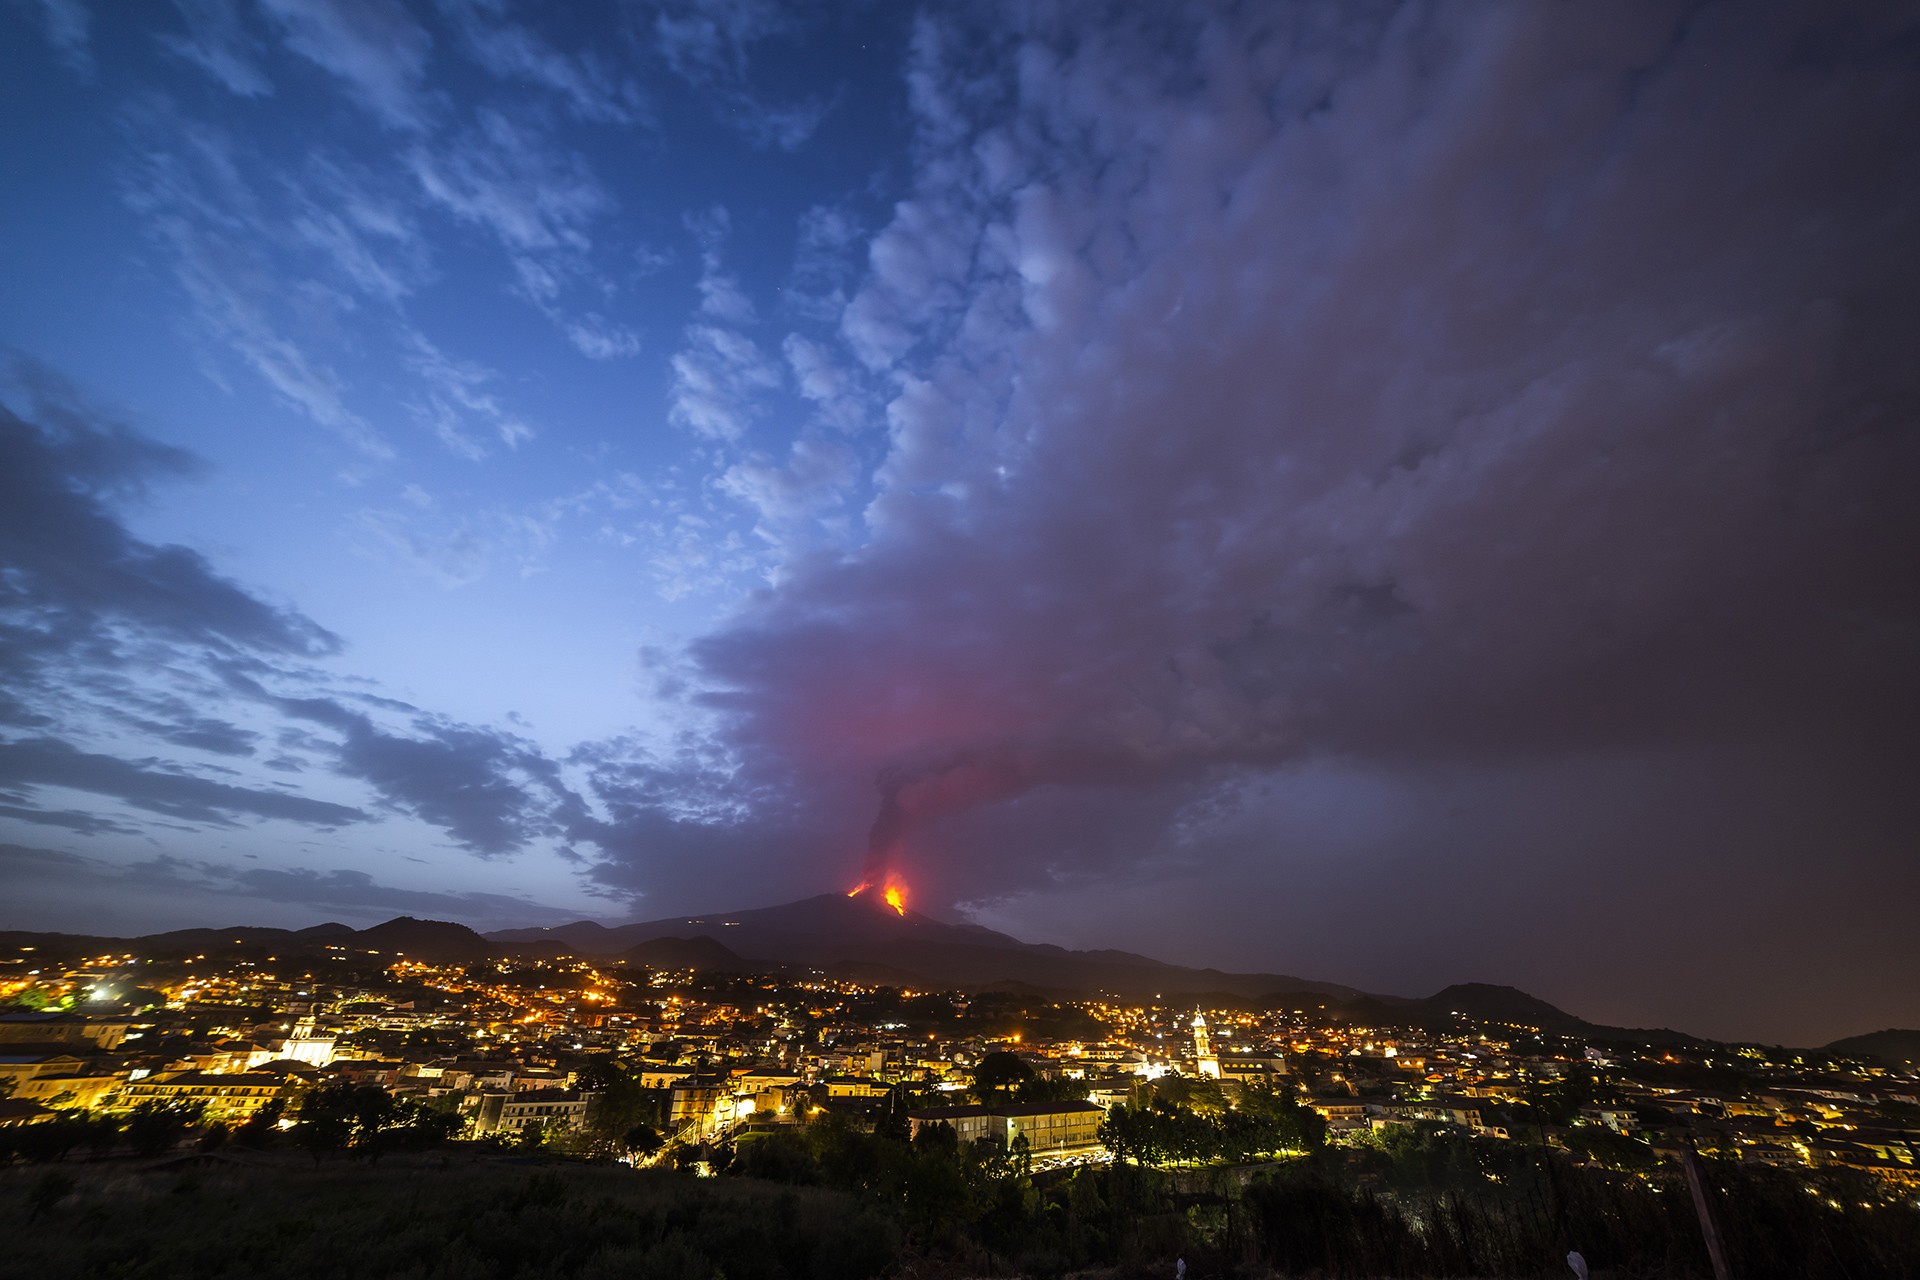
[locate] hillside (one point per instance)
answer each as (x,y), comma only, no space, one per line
(841,933)
(1892,1045)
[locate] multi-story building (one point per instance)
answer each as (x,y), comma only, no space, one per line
(1047,1126)
(228,1095)
(511,1112)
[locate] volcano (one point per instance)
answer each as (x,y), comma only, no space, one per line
(865,935)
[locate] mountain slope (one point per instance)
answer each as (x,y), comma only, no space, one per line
(835,931)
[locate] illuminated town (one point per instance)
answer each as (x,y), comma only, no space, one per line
(680,1068)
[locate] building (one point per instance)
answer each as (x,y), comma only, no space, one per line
(511,1112)
(40,1027)
(1205,1061)
(1047,1126)
(20,1063)
(228,1095)
(1250,1068)
(79,1090)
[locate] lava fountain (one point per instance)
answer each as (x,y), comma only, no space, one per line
(894,893)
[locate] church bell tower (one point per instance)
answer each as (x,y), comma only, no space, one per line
(1205,1061)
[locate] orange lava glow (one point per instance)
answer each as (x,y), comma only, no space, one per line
(895,894)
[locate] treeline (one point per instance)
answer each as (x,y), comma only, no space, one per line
(1157,1130)
(1436,1202)
(357,1120)
(150,1129)
(834,1199)
(1423,1201)
(288,1220)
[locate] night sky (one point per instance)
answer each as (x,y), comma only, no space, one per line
(1391,493)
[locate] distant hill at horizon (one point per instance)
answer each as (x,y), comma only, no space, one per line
(439,941)
(1895,1044)
(864,939)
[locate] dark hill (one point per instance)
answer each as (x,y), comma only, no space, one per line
(440,941)
(1892,1045)
(1486,1002)
(703,954)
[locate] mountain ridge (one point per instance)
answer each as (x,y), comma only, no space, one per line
(863,938)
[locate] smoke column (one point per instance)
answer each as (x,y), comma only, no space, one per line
(913,794)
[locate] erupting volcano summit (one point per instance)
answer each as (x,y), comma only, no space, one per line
(895,893)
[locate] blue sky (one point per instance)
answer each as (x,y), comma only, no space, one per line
(1189,482)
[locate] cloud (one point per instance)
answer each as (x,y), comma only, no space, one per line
(68,24)
(218,42)
(73,571)
(493,792)
(720,373)
(716,377)
(195,887)
(186,180)
(1488,386)
(75,820)
(373,46)
(48,762)
(540,200)
(707,43)
(458,399)
(358,893)
(513,52)
(510,179)
(102,633)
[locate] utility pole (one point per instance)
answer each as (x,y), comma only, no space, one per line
(1703,1205)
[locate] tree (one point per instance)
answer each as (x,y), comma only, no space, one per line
(1043,1089)
(999,1073)
(260,1128)
(641,1141)
(154,1127)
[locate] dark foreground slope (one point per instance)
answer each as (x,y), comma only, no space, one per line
(277,1217)
(826,1203)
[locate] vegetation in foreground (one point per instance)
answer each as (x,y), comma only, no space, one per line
(830,1201)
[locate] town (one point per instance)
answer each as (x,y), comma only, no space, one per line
(685,1068)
